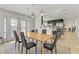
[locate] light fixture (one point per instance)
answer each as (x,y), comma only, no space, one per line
(42,14)
(33,16)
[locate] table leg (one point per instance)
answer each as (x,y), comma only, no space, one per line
(36,47)
(42,49)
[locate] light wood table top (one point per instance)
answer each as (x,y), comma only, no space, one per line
(40,37)
(68,40)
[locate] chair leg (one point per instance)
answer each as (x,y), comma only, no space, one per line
(15,44)
(55,50)
(36,46)
(36,49)
(41,47)
(26,50)
(22,49)
(18,47)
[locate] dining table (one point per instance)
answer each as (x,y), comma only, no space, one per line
(40,37)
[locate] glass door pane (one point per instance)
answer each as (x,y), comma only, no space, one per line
(4,27)
(22,25)
(13,26)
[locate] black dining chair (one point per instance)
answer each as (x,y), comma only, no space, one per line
(44,31)
(51,46)
(17,40)
(27,45)
(34,30)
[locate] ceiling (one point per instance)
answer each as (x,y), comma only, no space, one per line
(50,10)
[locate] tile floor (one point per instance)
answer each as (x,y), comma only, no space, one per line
(9,48)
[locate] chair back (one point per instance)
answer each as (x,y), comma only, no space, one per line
(35,30)
(24,41)
(16,36)
(43,31)
(55,40)
(54,32)
(32,31)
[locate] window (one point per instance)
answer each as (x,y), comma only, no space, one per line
(13,26)
(22,25)
(4,27)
